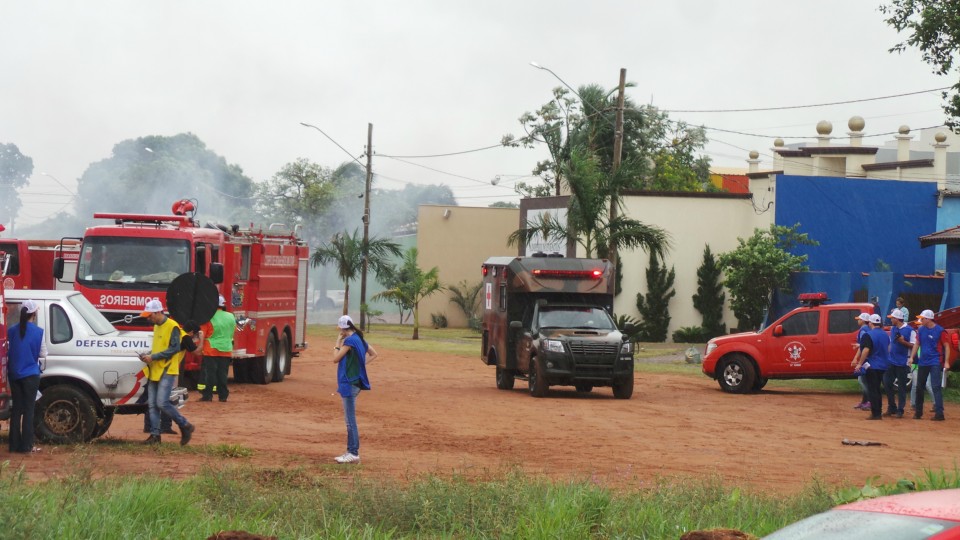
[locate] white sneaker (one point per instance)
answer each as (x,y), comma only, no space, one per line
(347,458)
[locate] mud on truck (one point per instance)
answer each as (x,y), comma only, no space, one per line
(547,320)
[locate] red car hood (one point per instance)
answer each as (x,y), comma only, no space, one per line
(941,504)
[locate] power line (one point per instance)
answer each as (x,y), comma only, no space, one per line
(336,143)
(761,109)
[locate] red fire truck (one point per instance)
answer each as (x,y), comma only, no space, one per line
(30,263)
(262,274)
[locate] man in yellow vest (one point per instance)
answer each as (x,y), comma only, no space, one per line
(217,350)
(163,367)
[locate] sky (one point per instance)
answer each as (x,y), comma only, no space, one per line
(432,77)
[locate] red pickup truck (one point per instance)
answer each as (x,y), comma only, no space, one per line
(816,341)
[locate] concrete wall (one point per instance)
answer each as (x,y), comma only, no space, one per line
(458,244)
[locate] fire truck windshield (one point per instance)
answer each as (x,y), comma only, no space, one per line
(117,262)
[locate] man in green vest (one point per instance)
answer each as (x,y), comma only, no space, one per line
(217,350)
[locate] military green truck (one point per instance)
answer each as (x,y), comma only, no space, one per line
(547,320)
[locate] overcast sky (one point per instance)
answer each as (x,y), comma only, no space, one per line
(433,77)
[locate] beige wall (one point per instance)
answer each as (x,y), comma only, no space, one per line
(458,244)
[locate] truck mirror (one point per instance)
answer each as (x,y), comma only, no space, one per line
(628,329)
(58,267)
(778,330)
(216,272)
(516,325)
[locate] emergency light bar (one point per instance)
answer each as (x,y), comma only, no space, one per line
(813,299)
(569,274)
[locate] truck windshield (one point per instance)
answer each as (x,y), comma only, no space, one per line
(132,263)
(98,323)
(574,317)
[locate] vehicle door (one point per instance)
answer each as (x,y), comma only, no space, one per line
(840,341)
(526,339)
(795,346)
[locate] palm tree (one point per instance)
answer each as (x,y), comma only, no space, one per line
(591,192)
(419,285)
(346,252)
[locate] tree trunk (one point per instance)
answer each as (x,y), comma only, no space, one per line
(416,320)
(346,297)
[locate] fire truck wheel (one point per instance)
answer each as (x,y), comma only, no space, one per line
(737,375)
(505,379)
(104,424)
(261,368)
(537,380)
(623,389)
(65,414)
(283,358)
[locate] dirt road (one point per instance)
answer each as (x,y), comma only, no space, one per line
(432,413)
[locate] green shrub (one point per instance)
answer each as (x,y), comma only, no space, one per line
(690,334)
(439,320)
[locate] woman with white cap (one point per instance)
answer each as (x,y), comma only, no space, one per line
(26,349)
(351,354)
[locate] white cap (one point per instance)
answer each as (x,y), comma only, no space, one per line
(865,317)
(30,306)
(875,319)
(925,314)
(896,314)
(222,301)
(153,306)
(344,322)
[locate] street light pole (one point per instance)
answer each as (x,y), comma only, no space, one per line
(366,231)
(617,156)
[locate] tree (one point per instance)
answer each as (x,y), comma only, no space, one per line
(503,204)
(759,265)
(587,221)
(934,28)
(710,297)
(15,171)
(420,285)
(654,307)
(466,296)
(298,194)
(345,251)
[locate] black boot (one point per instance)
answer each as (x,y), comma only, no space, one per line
(185,433)
(153,439)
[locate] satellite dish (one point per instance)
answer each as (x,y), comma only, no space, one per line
(192,297)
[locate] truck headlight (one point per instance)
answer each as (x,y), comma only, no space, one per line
(711,346)
(626,348)
(552,345)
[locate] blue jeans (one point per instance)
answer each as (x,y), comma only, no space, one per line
(350,416)
(158,399)
(899,374)
(913,388)
(934,374)
(23,393)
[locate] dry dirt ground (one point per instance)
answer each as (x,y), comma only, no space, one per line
(441,414)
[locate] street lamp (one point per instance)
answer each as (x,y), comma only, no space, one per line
(57,180)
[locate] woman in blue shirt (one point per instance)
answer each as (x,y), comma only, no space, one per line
(26,349)
(351,354)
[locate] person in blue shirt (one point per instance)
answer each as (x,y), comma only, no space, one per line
(902,338)
(934,357)
(874,357)
(863,321)
(351,355)
(26,349)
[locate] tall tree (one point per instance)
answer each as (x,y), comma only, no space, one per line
(420,285)
(654,306)
(710,297)
(15,171)
(345,251)
(759,265)
(298,194)
(933,26)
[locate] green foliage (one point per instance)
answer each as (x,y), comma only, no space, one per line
(300,193)
(439,320)
(933,27)
(346,252)
(623,321)
(709,297)
(654,306)
(466,296)
(503,204)
(690,334)
(418,286)
(15,171)
(759,265)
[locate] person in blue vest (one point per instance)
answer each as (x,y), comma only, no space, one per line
(902,338)
(863,322)
(934,357)
(351,354)
(874,357)
(26,349)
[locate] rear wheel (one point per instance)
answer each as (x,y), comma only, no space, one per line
(262,368)
(537,379)
(737,375)
(65,414)
(505,379)
(283,358)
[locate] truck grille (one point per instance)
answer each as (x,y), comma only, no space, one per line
(594,353)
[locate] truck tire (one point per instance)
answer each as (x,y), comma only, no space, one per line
(737,375)
(537,379)
(283,358)
(65,415)
(261,368)
(583,387)
(623,387)
(104,424)
(505,379)
(759,383)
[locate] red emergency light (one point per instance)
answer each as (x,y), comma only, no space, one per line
(568,274)
(813,299)
(485,270)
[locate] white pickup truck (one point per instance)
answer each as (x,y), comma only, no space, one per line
(91,371)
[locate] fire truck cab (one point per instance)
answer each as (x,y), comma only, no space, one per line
(262,274)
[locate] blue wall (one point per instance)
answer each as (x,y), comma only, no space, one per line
(854,221)
(948,216)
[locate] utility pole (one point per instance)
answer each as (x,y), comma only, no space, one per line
(617,154)
(366,230)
